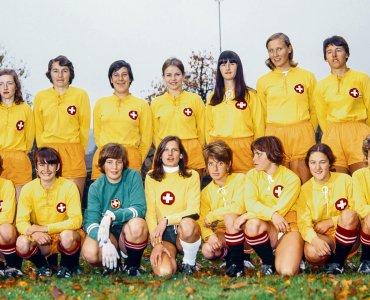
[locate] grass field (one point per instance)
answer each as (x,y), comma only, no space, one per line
(209,283)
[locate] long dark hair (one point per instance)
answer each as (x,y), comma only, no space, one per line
(158,171)
(241,89)
(18,98)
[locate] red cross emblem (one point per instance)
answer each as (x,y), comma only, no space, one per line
(341,204)
(277,190)
(71,110)
(61,207)
(1,205)
(19,125)
(188,111)
(299,88)
(241,105)
(133,114)
(115,203)
(354,93)
(167,198)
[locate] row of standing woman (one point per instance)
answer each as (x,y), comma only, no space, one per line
(288,104)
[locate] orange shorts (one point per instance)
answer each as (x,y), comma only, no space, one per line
(55,240)
(195,153)
(296,138)
(345,140)
(133,158)
(242,154)
(17,167)
(73,159)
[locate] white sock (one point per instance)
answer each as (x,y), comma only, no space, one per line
(190,251)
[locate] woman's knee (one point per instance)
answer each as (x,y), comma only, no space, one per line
(189,229)
(255,227)
(135,229)
(348,219)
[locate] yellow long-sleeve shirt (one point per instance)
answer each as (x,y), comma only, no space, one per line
(287,98)
(318,202)
(7,201)
(265,194)
(216,201)
(235,118)
(343,99)
(361,191)
(125,121)
(17,127)
(182,116)
(58,208)
(174,197)
(62,118)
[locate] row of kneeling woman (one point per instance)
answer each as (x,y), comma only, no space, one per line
(265,210)
(288,104)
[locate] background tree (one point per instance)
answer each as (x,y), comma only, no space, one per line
(10,62)
(199,78)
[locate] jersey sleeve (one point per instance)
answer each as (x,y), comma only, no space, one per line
(200,118)
(311,102)
(84,118)
(304,218)
(360,194)
(208,121)
(24,209)
(257,116)
(137,202)
(39,126)
(151,216)
(7,203)
(320,107)
(93,213)
(97,123)
(30,129)
(146,131)
(205,208)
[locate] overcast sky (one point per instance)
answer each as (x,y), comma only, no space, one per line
(94,33)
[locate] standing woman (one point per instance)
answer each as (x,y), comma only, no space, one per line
(18,131)
(233,112)
(286,93)
(62,118)
(326,219)
(271,192)
(122,118)
(180,113)
(343,107)
(172,199)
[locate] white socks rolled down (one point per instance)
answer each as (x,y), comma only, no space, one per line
(190,251)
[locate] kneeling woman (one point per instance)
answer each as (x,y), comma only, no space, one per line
(361,194)
(173,200)
(114,218)
(326,220)
(271,192)
(222,201)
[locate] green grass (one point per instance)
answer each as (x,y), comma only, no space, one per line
(210,283)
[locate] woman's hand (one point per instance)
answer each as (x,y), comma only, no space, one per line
(280,223)
(323,226)
(41,238)
(322,248)
(214,242)
(156,236)
(239,222)
(156,256)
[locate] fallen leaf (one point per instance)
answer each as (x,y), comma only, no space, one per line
(190,290)
(238,285)
(363,288)
(56,292)
(22,283)
(77,287)
(270,289)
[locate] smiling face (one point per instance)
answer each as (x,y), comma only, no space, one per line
(171,154)
(319,167)
(336,57)
(7,87)
(279,53)
(47,172)
(173,77)
(121,81)
(60,75)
